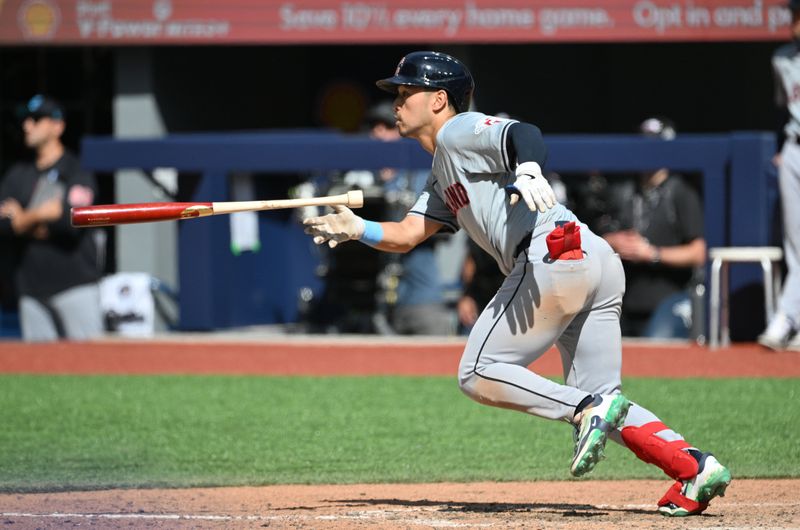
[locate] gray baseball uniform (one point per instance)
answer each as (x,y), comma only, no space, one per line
(786,65)
(563,285)
(574,304)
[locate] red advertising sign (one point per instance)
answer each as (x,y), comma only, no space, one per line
(104,22)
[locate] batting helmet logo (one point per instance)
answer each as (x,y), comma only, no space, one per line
(399,66)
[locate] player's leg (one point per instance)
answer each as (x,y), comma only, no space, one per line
(590,348)
(518,325)
(36,321)
(531,309)
(591,352)
(79,311)
(591,355)
(790,191)
(787,319)
(699,476)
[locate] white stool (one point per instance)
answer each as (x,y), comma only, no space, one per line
(721,257)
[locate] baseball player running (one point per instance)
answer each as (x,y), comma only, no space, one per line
(564,284)
(785,324)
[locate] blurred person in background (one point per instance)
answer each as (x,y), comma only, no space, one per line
(57,269)
(415,290)
(786,67)
(657,229)
(480,279)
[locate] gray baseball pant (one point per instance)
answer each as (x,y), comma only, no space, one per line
(789,181)
(76,312)
(574,304)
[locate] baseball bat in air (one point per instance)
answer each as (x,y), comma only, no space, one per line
(118,214)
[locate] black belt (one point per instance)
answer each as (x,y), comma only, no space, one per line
(523,245)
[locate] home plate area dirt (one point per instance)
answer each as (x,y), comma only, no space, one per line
(773,504)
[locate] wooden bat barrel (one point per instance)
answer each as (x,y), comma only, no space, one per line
(115,214)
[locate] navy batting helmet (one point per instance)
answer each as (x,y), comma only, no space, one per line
(793,5)
(434,70)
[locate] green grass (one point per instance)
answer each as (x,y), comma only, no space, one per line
(65,432)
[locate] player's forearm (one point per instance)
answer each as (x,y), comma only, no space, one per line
(396,238)
(399,236)
(692,254)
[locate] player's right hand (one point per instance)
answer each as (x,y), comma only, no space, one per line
(534,189)
(337,227)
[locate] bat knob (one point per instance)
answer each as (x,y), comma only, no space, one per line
(355,199)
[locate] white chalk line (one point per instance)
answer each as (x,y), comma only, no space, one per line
(734,504)
(165,516)
(366,515)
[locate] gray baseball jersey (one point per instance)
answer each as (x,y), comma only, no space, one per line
(786,66)
(574,304)
(466,188)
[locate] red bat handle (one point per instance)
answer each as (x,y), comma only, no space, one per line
(116,214)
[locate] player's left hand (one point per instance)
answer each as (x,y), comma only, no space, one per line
(337,227)
(532,187)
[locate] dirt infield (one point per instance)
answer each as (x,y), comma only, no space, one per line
(578,505)
(573,505)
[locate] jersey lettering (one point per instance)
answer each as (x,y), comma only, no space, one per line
(482,125)
(456,197)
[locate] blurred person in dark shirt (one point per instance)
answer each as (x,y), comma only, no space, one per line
(56,270)
(419,307)
(657,230)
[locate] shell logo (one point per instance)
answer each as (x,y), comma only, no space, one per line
(38,19)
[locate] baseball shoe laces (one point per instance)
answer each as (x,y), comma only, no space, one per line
(691,497)
(604,414)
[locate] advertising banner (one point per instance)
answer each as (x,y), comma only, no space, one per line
(131,22)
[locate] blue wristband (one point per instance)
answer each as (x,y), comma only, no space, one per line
(373,233)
